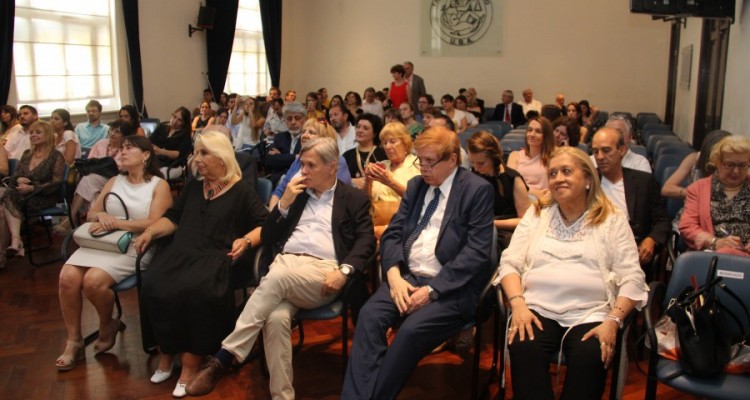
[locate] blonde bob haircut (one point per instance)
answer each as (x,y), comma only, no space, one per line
(443,139)
(217,144)
(597,204)
(397,130)
(49,137)
(734,144)
(324,129)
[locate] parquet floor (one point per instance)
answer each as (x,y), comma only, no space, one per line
(32,335)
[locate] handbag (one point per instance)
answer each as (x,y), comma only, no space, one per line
(705,340)
(382,211)
(115,241)
(105,166)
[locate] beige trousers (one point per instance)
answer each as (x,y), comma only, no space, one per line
(292,282)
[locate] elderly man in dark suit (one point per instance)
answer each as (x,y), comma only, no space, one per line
(509,111)
(436,260)
(323,234)
(416,83)
(285,147)
(635,192)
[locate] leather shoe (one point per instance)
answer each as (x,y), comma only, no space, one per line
(207,378)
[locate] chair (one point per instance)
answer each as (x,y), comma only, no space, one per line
(673,204)
(648,131)
(661,165)
(638,149)
(497,128)
(643,118)
(695,263)
(30,217)
(264,188)
(654,139)
(248,165)
(675,148)
(625,114)
(584,147)
(512,145)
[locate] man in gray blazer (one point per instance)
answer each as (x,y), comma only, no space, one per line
(415,82)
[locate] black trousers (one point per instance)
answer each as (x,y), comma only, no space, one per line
(376,371)
(530,363)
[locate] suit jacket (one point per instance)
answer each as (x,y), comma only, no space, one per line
(282,141)
(353,234)
(417,89)
(648,214)
(516,114)
(464,243)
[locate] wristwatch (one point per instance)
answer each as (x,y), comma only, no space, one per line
(346,269)
(434,295)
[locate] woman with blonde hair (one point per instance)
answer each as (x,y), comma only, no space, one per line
(312,129)
(571,276)
(187,297)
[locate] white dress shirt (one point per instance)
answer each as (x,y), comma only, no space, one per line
(313,234)
(615,192)
(349,141)
(422,259)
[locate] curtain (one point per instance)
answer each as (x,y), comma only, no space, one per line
(130,12)
(219,41)
(7,18)
(270,15)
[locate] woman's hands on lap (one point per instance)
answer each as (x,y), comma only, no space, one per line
(521,321)
(606,332)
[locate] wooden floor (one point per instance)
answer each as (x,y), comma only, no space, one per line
(32,335)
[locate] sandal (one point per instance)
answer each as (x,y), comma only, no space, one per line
(16,250)
(74,352)
(101,346)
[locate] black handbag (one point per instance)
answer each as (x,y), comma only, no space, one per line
(706,342)
(105,166)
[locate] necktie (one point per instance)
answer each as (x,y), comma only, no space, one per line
(422,224)
(507,113)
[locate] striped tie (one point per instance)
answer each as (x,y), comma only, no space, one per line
(422,224)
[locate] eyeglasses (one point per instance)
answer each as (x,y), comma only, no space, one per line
(739,166)
(428,167)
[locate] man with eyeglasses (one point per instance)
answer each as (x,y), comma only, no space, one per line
(436,259)
(635,193)
(630,159)
(285,147)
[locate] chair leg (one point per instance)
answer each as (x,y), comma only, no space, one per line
(475,362)
(344,341)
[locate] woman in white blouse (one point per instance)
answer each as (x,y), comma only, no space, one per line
(571,276)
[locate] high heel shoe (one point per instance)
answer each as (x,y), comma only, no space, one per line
(16,248)
(101,346)
(160,376)
(74,352)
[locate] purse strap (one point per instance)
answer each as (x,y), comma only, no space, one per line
(124,207)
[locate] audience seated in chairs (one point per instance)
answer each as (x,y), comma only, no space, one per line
(93,130)
(249,122)
(567,131)
(574,111)
(66,140)
(311,130)
(34,186)
(435,254)
(511,195)
(17,141)
(583,280)
(635,193)
(320,234)
(385,182)
(285,147)
(186,297)
(532,161)
(717,207)
(146,196)
(630,159)
(173,144)
(203,119)
(128,113)
(90,185)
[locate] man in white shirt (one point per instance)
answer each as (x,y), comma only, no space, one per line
(630,159)
(275,123)
(371,104)
(436,260)
(324,233)
(634,192)
(94,130)
(18,141)
(529,103)
(347,135)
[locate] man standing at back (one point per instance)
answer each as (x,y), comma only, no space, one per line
(416,83)
(19,142)
(93,130)
(435,255)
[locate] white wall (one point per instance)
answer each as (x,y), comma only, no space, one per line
(735,116)
(595,50)
(685,99)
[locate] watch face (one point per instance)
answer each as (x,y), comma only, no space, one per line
(346,269)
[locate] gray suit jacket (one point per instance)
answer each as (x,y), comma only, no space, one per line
(417,89)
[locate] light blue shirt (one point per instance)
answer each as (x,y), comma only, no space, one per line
(88,134)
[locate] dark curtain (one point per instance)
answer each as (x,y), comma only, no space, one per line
(130,11)
(219,41)
(270,15)
(7,18)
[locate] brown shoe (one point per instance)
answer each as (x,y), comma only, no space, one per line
(207,378)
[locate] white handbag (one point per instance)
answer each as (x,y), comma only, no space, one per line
(115,241)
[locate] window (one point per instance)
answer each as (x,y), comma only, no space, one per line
(63,54)
(248,69)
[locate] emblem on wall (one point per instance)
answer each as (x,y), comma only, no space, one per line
(460,22)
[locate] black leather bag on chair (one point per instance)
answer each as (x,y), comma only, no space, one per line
(105,166)
(706,341)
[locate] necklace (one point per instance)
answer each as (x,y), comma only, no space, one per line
(569,221)
(211,190)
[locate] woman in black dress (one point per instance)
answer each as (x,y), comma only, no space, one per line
(186,297)
(511,192)
(173,144)
(368,148)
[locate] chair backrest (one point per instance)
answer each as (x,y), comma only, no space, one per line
(264,188)
(673,204)
(665,148)
(649,131)
(643,118)
(12,165)
(512,145)
(638,149)
(735,271)
(249,167)
(661,165)
(584,147)
(497,128)
(654,139)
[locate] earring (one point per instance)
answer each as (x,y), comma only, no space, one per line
(588,186)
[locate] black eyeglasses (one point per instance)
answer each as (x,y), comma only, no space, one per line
(428,167)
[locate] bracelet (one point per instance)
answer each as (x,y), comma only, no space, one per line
(518,296)
(616,307)
(615,318)
(248,241)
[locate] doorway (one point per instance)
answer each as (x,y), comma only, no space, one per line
(711,75)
